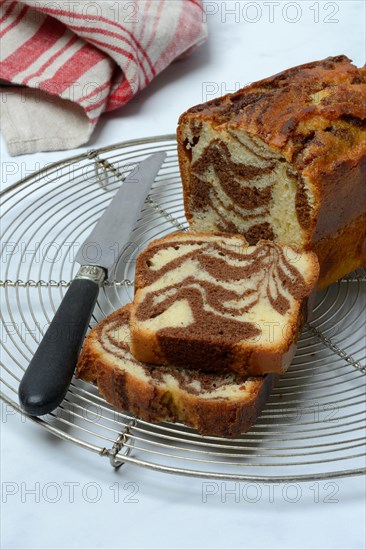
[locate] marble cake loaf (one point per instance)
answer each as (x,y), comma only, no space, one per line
(217,405)
(284,159)
(213,303)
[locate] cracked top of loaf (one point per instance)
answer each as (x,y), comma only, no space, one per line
(313,115)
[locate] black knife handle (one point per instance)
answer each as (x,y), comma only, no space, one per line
(49,373)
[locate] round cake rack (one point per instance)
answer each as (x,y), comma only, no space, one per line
(313,426)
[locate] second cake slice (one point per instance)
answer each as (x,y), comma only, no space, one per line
(213,303)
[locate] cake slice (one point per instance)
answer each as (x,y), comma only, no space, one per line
(217,405)
(283,159)
(212,303)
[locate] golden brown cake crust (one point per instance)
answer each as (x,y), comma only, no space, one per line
(314,116)
(342,252)
(294,110)
(154,402)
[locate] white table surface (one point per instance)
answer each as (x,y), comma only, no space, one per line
(169,511)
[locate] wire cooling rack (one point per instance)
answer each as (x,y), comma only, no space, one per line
(313,426)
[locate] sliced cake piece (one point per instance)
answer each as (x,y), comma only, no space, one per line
(284,159)
(213,303)
(218,405)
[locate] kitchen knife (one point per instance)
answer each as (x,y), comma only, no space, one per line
(49,373)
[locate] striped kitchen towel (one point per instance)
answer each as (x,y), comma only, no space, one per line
(63,63)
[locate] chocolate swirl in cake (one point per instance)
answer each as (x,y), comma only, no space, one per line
(190,290)
(114,338)
(237,197)
(236,190)
(221,405)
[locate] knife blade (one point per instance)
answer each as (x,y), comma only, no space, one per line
(48,376)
